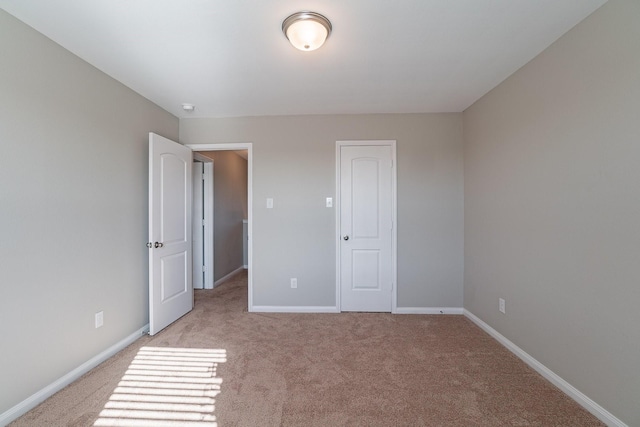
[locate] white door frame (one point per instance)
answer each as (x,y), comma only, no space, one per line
(233,147)
(208,202)
(394,231)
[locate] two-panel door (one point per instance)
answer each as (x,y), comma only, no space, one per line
(170,204)
(366,273)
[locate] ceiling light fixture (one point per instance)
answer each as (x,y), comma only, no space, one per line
(188,107)
(306,31)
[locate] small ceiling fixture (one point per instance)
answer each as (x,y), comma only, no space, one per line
(306,31)
(188,107)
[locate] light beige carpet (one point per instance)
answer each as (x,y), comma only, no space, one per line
(220,365)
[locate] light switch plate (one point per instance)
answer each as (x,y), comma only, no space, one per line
(99,320)
(329,202)
(269,203)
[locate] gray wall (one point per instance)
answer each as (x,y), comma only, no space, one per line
(294,163)
(230,207)
(552,208)
(73,210)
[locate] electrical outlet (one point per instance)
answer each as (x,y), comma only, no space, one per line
(294,283)
(269,203)
(99,319)
(501,305)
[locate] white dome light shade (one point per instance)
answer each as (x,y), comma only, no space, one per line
(306,31)
(306,35)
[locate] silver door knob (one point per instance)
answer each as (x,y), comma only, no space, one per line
(346,237)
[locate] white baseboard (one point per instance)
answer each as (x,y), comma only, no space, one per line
(331,309)
(295,309)
(228,276)
(40,396)
(428,310)
(583,400)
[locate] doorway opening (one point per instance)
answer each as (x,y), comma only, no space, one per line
(236,221)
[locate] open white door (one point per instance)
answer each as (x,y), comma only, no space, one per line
(198,225)
(170,266)
(202,222)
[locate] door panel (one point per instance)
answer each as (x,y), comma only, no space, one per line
(365,174)
(172,271)
(170,266)
(173,223)
(366,269)
(366,224)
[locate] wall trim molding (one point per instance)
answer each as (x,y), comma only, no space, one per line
(294,309)
(429,310)
(228,276)
(48,391)
(582,399)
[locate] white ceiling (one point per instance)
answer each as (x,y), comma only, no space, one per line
(230,58)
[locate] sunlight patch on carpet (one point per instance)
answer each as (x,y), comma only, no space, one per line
(166,387)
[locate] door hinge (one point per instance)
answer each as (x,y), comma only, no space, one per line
(203,177)
(203,222)
(204,268)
